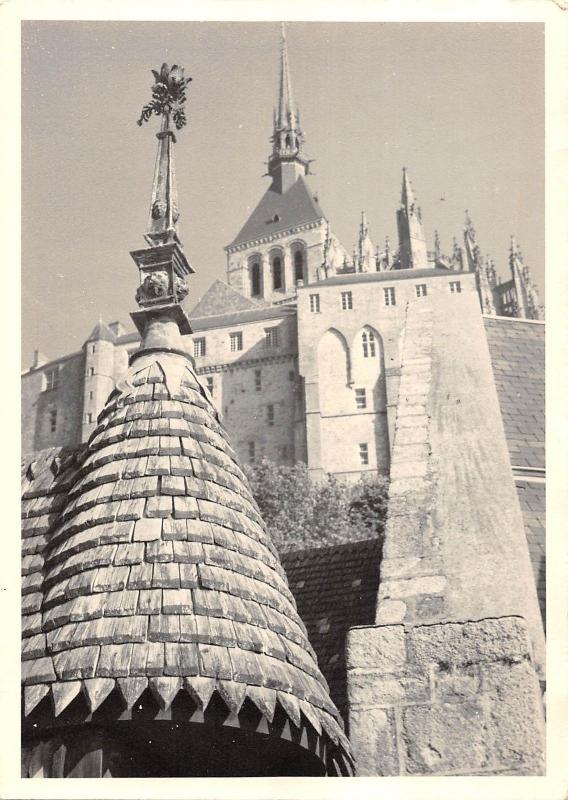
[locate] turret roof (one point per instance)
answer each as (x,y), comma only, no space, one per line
(277,212)
(101,332)
(147,565)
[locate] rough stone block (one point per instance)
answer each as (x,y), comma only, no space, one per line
(457,685)
(470,642)
(390,612)
(375,647)
(410,452)
(404,485)
(445,738)
(374,741)
(408,469)
(515,720)
(425,584)
(410,434)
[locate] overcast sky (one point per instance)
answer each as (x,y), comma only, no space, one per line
(459,104)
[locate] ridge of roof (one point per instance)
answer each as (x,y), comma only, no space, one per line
(220,298)
(147,564)
(276,213)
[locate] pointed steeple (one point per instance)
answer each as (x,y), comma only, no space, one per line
(163,266)
(527,297)
(366,248)
(413,253)
(287,160)
(475,264)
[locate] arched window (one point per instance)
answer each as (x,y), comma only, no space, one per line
(277,273)
(369,344)
(298,266)
(255,279)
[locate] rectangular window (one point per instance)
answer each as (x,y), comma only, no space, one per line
(361,398)
(199,347)
(209,380)
(236,341)
(390,298)
(90,395)
(271,337)
(421,290)
(258,380)
(251,452)
(93,348)
(364,453)
(52,419)
(88,417)
(270,414)
(455,287)
(91,372)
(346,301)
(314,303)
(51,379)
(291,375)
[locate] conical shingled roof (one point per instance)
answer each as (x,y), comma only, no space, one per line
(151,567)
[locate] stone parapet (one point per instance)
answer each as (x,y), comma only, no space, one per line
(458,698)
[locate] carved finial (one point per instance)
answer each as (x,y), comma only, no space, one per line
(168,100)
(168,96)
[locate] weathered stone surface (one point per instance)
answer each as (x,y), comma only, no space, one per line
(444,738)
(373,740)
(381,648)
(390,612)
(410,452)
(427,584)
(370,689)
(455,685)
(409,469)
(470,642)
(515,719)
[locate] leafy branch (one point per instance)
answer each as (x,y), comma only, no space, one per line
(168,96)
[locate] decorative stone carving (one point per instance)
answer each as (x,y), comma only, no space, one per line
(153,287)
(181,288)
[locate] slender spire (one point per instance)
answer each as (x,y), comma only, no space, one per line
(412,241)
(528,303)
(163,266)
(474,261)
(287,160)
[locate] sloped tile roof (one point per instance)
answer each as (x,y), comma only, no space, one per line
(278,212)
(221,298)
(150,566)
(533,505)
(335,588)
(101,332)
(517,355)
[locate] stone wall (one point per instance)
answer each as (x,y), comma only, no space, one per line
(445,699)
(66,401)
(448,678)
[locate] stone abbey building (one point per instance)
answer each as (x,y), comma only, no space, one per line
(421,366)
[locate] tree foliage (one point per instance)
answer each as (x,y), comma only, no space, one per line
(301,513)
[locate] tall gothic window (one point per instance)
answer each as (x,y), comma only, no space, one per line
(255,279)
(369,345)
(298,266)
(277,273)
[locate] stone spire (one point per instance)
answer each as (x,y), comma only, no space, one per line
(287,160)
(475,264)
(527,298)
(413,253)
(366,251)
(163,266)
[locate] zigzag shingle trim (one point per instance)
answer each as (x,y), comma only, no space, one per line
(147,564)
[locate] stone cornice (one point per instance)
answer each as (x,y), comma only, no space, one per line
(274,236)
(248,362)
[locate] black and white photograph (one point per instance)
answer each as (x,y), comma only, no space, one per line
(283,400)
